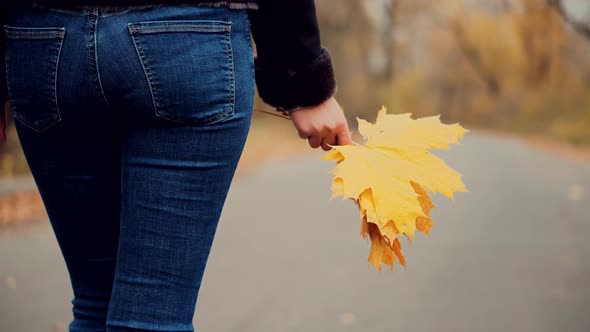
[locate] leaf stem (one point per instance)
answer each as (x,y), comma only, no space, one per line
(272,113)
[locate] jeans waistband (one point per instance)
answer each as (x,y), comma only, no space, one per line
(89,9)
(111,9)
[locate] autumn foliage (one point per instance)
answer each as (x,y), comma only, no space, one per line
(515,66)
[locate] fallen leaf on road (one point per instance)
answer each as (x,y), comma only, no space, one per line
(60,327)
(390,176)
(575,192)
(346,318)
(9,282)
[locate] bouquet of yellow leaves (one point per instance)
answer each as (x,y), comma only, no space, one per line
(390,176)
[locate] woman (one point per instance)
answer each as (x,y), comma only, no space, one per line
(133,115)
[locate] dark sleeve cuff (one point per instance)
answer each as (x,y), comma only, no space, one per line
(3,90)
(291,86)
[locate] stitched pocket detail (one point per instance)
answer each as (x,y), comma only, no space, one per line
(32,62)
(189,68)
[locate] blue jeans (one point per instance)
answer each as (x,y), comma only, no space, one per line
(132,122)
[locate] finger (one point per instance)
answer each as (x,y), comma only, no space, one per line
(328,141)
(315,141)
(343,138)
(303,134)
(301,131)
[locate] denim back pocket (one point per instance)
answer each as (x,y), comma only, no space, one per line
(32,59)
(189,68)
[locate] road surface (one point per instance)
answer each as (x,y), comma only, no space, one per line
(511,255)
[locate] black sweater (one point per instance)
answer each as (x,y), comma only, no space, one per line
(292,68)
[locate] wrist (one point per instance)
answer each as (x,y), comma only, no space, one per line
(286,111)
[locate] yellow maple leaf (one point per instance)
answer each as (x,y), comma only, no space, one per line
(389,178)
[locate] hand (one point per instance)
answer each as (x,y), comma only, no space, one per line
(322,125)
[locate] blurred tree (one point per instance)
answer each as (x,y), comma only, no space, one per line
(506,64)
(381,54)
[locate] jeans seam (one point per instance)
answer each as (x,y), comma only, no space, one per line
(33,34)
(145,71)
(179,28)
(248,34)
(57,63)
(103,95)
(92,56)
(232,78)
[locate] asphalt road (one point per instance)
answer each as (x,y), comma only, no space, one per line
(511,255)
